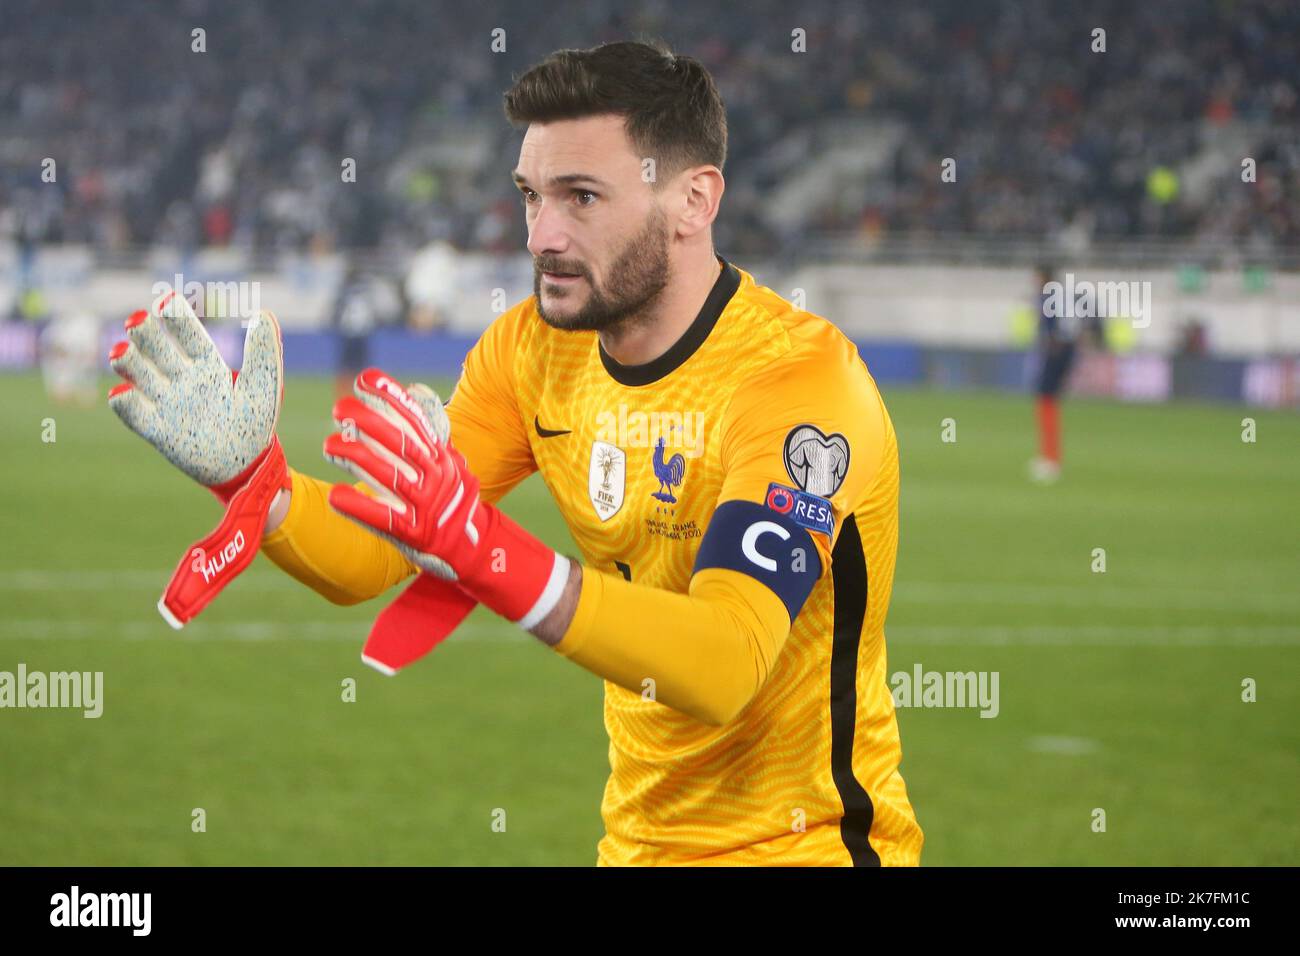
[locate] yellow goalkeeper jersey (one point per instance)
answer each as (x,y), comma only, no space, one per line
(762,423)
(755,394)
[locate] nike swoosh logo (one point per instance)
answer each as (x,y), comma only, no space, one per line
(549,432)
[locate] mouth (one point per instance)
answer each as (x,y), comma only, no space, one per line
(560,278)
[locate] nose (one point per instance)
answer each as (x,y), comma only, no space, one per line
(546,231)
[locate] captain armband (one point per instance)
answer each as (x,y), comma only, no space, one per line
(768,544)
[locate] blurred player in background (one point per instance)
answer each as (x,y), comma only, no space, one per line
(70,358)
(354,319)
(1057,347)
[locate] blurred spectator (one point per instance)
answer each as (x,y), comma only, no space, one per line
(1192,340)
(245,143)
(431,291)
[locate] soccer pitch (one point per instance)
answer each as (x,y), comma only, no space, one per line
(1120,691)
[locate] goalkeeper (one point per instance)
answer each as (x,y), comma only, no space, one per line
(722,459)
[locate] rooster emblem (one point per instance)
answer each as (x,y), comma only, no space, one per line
(670,474)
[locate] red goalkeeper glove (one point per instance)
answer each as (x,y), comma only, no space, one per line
(218,427)
(213,424)
(426,501)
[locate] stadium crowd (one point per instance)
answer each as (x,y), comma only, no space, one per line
(242,143)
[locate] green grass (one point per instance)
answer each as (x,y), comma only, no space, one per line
(1119,691)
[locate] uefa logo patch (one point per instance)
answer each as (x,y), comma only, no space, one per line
(807,511)
(816,462)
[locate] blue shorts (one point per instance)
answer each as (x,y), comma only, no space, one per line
(1055,370)
(354,355)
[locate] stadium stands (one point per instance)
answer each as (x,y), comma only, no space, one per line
(242,144)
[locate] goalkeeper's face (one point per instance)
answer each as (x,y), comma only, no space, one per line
(600,238)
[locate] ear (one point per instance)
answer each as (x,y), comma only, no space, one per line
(702,188)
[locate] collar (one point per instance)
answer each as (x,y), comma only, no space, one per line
(686,346)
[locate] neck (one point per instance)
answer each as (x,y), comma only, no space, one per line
(647,337)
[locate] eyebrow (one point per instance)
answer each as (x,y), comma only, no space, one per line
(565,179)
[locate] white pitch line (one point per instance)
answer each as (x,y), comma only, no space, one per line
(1072,746)
(101,580)
(198,632)
(1099,595)
(1028,635)
(1154,598)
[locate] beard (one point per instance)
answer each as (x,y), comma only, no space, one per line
(637,277)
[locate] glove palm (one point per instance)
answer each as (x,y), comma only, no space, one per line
(182,398)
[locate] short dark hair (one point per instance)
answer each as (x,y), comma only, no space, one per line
(672,108)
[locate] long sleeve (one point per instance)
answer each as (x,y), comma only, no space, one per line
(347,564)
(329,553)
(706,652)
(486,424)
(817,424)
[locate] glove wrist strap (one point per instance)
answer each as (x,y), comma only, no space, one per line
(217,559)
(414,624)
(515,574)
(226,490)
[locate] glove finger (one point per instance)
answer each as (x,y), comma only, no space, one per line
(126,360)
(451,488)
(426,562)
(367,485)
(471,529)
(410,472)
(400,434)
(137,412)
(451,459)
(385,394)
(458,460)
(371,512)
(460,489)
(260,384)
(454,462)
(388,477)
(351,415)
(179,319)
(433,410)
(147,334)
